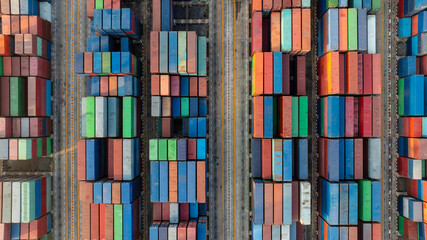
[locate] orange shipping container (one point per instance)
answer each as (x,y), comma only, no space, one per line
(329,73)
(173,181)
(24,24)
(193,86)
(275,31)
(268,203)
(118,163)
(90,8)
(94,221)
(278,203)
(103,86)
(268,73)
(14,25)
(285,116)
(155,85)
(376,231)
(306,31)
(257,74)
(191,53)
(157,15)
(117,4)
(5,44)
(113,85)
(116,192)
(258,110)
(256,5)
(81,160)
(267,5)
(164,85)
(277,5)
(376,74)
(102,221)
(203,87)
(86,223)
(266,158)
(352,233)
(5,24)
(414,25)
(352,72)
(296,31)
(107,4)
(343,30)
(201,181)
(154,52)
(296,3)
(88,62)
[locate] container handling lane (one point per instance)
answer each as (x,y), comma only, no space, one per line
(70,24)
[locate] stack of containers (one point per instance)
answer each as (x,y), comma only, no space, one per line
(109,162)
(412,123)
(281,193)
(178,156)
(350,117)
(25,88)
(25,207)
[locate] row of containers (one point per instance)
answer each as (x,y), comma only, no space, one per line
(349,109)
(178,156)
(280,50)
(25,116)
(412,148)
(109,153)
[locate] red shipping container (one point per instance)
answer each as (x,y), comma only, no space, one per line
(118,162)
(296,30)
(193,86)
(39,67)
(19,44)
(266,158)
(30,45)
(165,211)
(184,211)
(88,62)
(203,87)
(258,115)
(25,230)
(343,31)
(365,115)
(296,3)
(182,230)
(102,221)
(164,85)
(90,8)
(5,127)
(306,31)
(278,203)
(356,116)
(367,74)
(16,127)
(25,66)
(352,233)
(277,5)
(256,32)
(192,230)
(266,232)
(109,221)
(116,192)
(349,116)
(360,73)
(301,85)
(154,52)
(5,45)
(268,73)
(157,15)
(191,149)
(268,203)
(287,3)
(422,69)
(86,221)
(4,96)
(7,66)
(376,116)
(94,221)
(191,53)
(285,74)
(86,192)
(258,73)
(5,24)
(14,25)
(157,211)
(103,86)
(5,6)
(110,158)
(295,201)
(201,181)
(173,181)
(267,5)
(36,127)
(275,31)
(285,116)
(411,229)
(166,107)
(108,4)
(117,4)
(13,149)
(376,73)
(5,231)
(358,158)
(167,127)
(35,96)
(155,85)
(16,66)
(175,86)
(112,86)
(352,72)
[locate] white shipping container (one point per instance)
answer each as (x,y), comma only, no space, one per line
(374,158)
(83,117)
(25,127)
(4,149)
(416,169)
(286,232)
(45,11)
(16,202)
(287,203)
(156,104)
(275,231)
(372,44)
(128,147)
(101,117)
(7,201)
(405,207)
(172,231)
(14,7)
(305,203)
(174,213)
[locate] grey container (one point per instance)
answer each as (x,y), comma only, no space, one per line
(156,106)
(25,127)
(4,149)
(101,117)
(174,213)
(374,158)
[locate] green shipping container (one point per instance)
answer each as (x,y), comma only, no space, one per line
(352,29)
(99,4)
(185,107)
(182,53)
(303,116)
(90,117)
(365,198)
(48,145)
(106,62)
(201,58)
(286,30)
(163,149)
(401,93)
(17,96)
(401,226)
(376,6)
(118,222)
(24,149)
(295,121)
(39,47)
(355,3)
(331,3)
(128,117)
(39,147)
(28,205)
(171,149)
(1,66)
(154,150)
